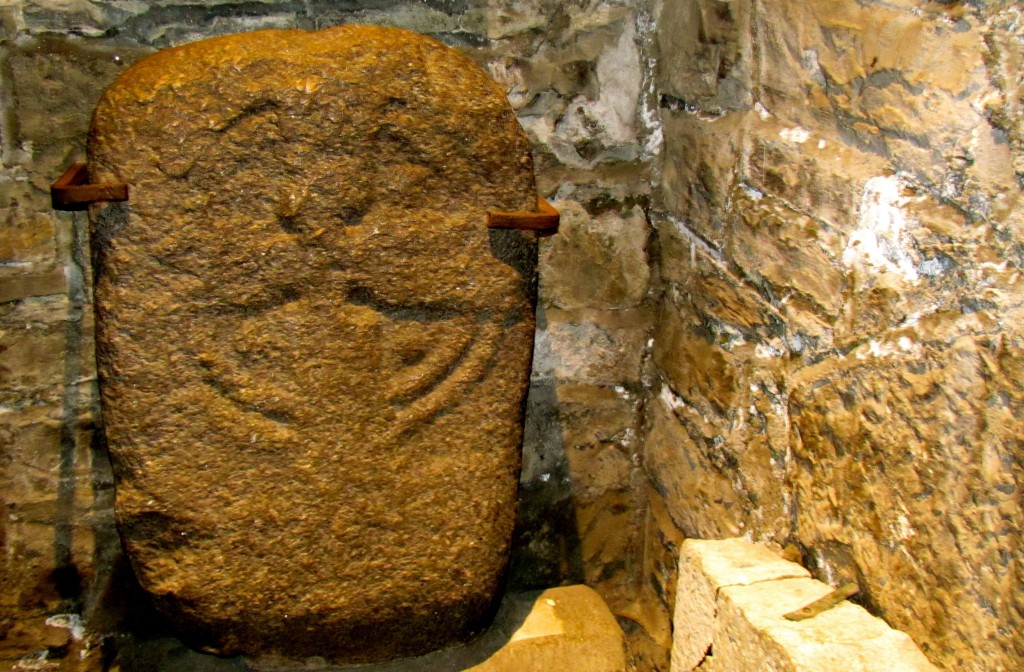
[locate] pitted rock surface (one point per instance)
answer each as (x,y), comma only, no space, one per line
(313,353)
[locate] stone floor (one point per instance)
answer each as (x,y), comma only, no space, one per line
(536,631)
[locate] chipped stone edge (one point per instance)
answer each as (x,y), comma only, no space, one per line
(715,565)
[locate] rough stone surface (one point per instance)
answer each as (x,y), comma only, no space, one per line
(591,346)
(752,634)
(571,71)
(879,141)
(731,598)
(595,262)
(705,567)
(313,354)
(838,236)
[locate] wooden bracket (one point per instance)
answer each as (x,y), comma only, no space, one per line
(823,604)
(71,191)
(544,220)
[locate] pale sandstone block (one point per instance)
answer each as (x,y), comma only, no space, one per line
(751,633)
(705,567)
(556,629)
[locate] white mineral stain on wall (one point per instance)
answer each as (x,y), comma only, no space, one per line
(72,622)
(671,399)
(880,244)
(752,193)
(902,345)
(611,119)
(650,119)
(767,351)
(510,76)
(796,134)
(538,128)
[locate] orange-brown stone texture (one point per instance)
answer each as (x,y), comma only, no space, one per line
(785,302)
(313,354)
(839,345)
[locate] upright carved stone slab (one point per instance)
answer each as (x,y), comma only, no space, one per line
(313,352)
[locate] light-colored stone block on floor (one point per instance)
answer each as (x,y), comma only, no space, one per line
(705,566)
(549,631)
(563,627)
(730,602)
(751,633)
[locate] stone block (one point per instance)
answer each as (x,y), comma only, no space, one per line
(595,261)
(27,240)
(704,49)
(702,163)
(346,354)
(57,81)
(705,568)
(693,358)
(797,258)
(908,450)
(590,346)
(751,634)
(722,475)
(708,284)
(680,457)
(44,283)
(812,172)
(31,446)
(31,358)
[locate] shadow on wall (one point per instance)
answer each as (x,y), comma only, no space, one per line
(546,543)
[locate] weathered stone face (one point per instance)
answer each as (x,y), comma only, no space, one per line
(840,331)
(313,352)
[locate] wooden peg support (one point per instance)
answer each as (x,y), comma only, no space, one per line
(544,220)
(72,191)
(823,604)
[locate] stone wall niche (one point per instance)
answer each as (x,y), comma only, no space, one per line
(313,352)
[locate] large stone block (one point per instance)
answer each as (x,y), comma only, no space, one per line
(693,358)
(56,83)
(681,462)
(792,255)
(705,53)
(595,261)
(718,441)
(908,451)
(751,633)
(702,163)
(26,240)
(32,340)
(591,346)
(812,172)
(705,568)
(710,287)
(313,353)
(730,604)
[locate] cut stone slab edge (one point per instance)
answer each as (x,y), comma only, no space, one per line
(735,563)
(738,562)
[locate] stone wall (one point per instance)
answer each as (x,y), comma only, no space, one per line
(838,345)
(784,303)
(580,76)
